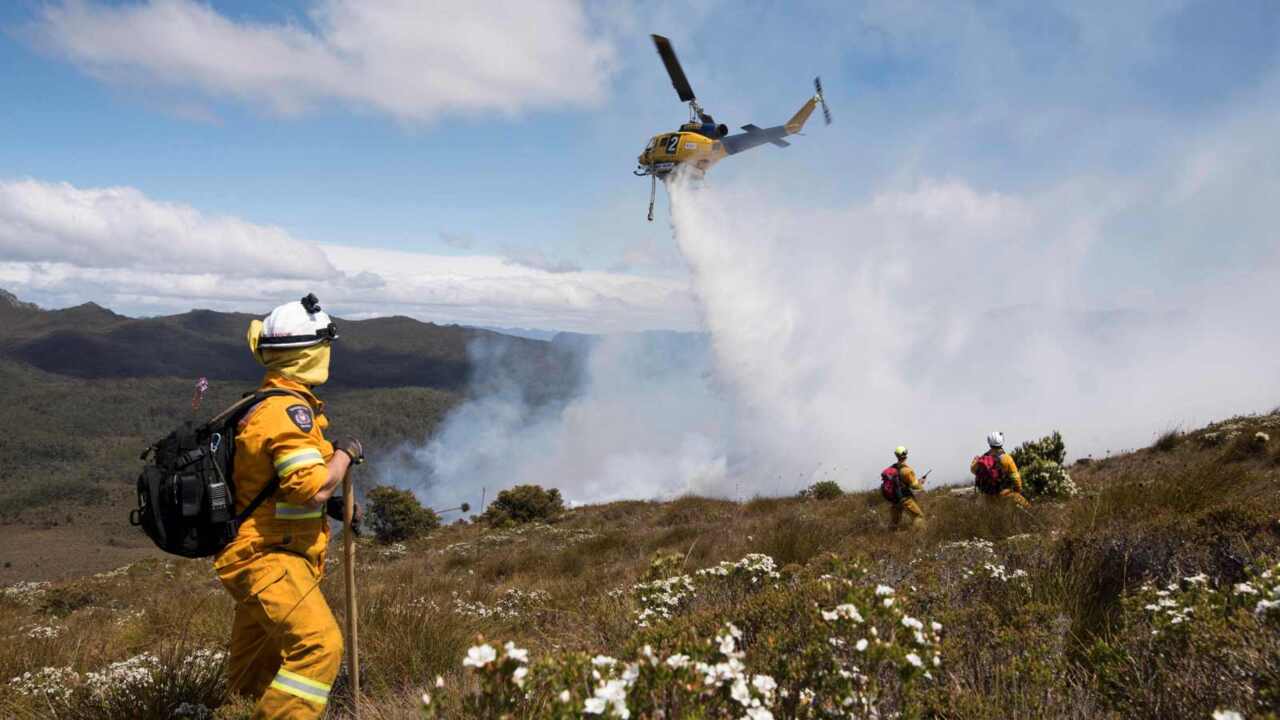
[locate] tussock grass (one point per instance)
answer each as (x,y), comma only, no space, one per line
(1169,440)
(1037,606)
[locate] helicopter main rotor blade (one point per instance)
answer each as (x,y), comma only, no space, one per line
(678,80)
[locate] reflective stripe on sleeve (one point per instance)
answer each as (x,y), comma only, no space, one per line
(289,511)
(305,688)
(294,461)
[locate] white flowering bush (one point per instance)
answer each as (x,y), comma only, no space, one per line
(1045,478)
(1197,644)
(830,646)
(659,600)
(1040,462)
(145,685)
(513,604)
(25,592)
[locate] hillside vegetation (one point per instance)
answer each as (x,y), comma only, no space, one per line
(87,389)
(1153,593)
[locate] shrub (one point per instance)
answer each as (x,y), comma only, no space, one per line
(522,504)
(1048,479)
(395,515)
(1050,447)
(1195,644)
(1040,462)
(1244,446)
(1168,440)
(822,490)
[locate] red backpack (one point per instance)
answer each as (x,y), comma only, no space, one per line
(988,476)
(890,484)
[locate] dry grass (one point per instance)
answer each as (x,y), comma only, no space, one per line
(1013,648)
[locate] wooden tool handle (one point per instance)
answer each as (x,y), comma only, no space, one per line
(349,567)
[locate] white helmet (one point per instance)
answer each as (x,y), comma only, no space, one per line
(296,325)
(996,439)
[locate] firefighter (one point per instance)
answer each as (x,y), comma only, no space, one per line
(286,647)
(898,484)
(996,474)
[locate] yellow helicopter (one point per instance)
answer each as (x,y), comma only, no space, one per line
(701,143)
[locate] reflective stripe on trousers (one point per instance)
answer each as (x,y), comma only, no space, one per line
(305,688)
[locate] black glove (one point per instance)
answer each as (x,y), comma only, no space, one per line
(335,507)
(352,448)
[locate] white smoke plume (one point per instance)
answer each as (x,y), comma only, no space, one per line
(925,316)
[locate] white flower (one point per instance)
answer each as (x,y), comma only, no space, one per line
(519,675)
(740,692)
(883,590)
(677,661)
(439,681)
(937,627)
(594,706)
(603,661)
(426,698)
(1245,588)
(764,684)
(565,696)
(1227,715)
(915,660)
(515,653)
(862,645)
(759,713)
(727,644)
(480,656)
(910,622)
(888,602)
(612,693)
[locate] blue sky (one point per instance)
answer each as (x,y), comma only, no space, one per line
(527,164)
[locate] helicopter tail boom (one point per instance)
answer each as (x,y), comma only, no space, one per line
(797,121)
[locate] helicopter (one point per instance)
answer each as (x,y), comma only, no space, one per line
(701,143)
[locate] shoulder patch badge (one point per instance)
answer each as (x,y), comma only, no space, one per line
(301,416)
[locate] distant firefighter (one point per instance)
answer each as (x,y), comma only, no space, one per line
(996,475)
(898,485)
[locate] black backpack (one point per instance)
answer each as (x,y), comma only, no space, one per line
(186,495)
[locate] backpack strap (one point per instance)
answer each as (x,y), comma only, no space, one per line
(233,415)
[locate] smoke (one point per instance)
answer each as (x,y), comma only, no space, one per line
(924,316)
(636,417)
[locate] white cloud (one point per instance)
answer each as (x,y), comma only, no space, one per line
(412,60)
(62,245)
(119,227)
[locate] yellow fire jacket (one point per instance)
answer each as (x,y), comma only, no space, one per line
(283,436)
(910,483)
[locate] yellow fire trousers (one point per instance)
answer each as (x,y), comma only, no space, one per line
(908,505)
(286,647)
(1008,494)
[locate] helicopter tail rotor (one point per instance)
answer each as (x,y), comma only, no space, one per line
(826,111)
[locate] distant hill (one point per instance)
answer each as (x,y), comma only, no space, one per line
(69,440)
(92,342)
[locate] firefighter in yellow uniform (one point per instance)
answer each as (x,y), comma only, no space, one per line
(996,475)
(908,485)
(286,648)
